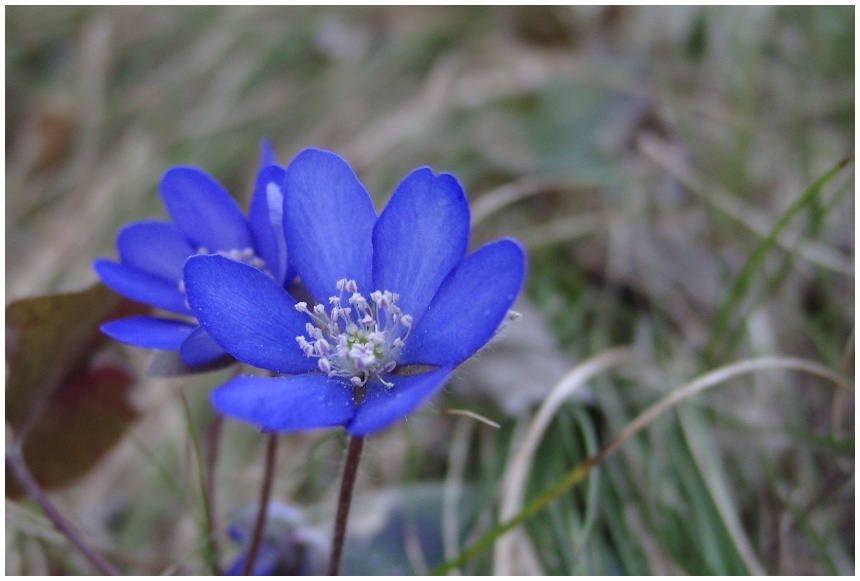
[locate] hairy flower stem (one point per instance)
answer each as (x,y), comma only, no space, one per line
(350,469)
(15,462)
(265,493)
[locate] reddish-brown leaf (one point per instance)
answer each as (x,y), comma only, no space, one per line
(71,410)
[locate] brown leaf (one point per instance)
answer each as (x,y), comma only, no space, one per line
(85,417)
(72,410)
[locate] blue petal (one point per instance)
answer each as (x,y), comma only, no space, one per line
(247,313)
(150,332)
(328,220)
(154,247)
(266,216)
(285,404)
(421,235)
(264,565)
(203,210)
(199,348)
(469,306)
(141,287)
(382,406)
(267,154)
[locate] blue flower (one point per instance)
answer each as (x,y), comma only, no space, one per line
(397,303)
(288,546)
(205,219)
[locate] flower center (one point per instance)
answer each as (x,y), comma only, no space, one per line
(243,255)
(359,341)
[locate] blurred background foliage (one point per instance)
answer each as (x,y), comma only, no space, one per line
(642,155)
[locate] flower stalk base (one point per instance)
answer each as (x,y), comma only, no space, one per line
(347,483)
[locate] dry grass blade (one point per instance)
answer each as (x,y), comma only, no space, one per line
(509,193)
(561,230)
(641,421)
(457,455)
(813,252)
(716,377)
(473,415)
(516,474)
(839,402)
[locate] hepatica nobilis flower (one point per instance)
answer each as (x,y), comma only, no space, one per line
(288,546)
(205,219)
(396,305)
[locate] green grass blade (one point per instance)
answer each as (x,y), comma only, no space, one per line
(208,545)
(745,277)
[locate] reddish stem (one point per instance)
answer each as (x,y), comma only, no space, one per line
(265,493)
(16,463)
(350,470)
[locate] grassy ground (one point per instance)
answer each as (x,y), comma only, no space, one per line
(659,165)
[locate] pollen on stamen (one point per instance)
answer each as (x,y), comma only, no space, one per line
(244,255)
(324,365)
(359,342)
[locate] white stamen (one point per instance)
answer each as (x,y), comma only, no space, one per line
(245,256)
(359,342)
(324,365)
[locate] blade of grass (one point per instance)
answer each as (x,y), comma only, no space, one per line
(563,548)
(693,425)
(505,195)
(457,454)
(839,402)
(744,278)
(629,547)
(813,252)
(213,446)
(589,436)
(516,474)
(15,462)
(697,520)
(578,473)
(163,471)
(209,556)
